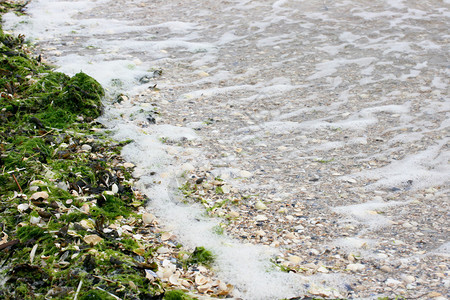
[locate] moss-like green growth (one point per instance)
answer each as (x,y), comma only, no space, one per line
(200,256)
(96,295)
(26,233)
(110,207)
(45,120)
(176,295)
(81,95)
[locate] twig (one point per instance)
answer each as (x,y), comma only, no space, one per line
(8,244)
(48,132)
(78,289)
(17,183)
(105,279)
(112,295)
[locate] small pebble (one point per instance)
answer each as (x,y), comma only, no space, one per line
(261,218)
(386,269)
(245,174)
(355,267)
(260,206)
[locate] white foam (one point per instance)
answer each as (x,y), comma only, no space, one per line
(368,213)
(425,168)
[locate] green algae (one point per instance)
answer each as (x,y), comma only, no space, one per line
(200,256)
(176,295)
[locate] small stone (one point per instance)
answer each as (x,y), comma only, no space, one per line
(290,218)
(348,179)
(275,244)
(226,189)
(322,269)
(202,74)
(386,269)
(148,218)
(299,228)
(355,267)
(290,236)
(434,295)
(295,259)
(260,233)
(233,214)
(282,210)
(86,148)
(39,195)
(187,167)
(163,250)
(407,225)
(392,282)
(314,252)
(261,218)
(408,279)
(245,174)
(128,165)
(260,206)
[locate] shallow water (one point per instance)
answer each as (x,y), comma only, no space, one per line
(338,109)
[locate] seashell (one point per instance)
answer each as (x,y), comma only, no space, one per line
(132,285)
(163,250)
(166,236)
(33,253)
(222,286)
(87,224)
(150,275)
(202,269)
(92,239)
(85,208)
(39,195)
(167,273)
(174,280)
(127,228)
(35,220)
(114,188)
(204,288)
(201,280)
(225,289)
(23,207)
(186,283)
(148,218)
(128,165)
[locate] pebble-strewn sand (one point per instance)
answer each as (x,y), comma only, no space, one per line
(331,116)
